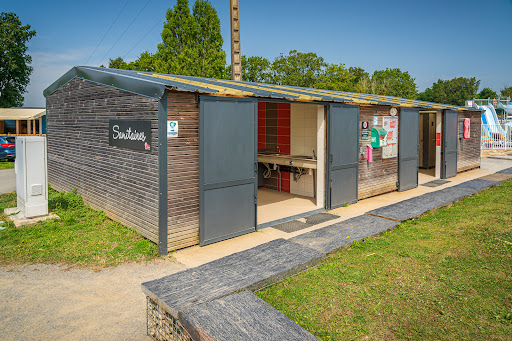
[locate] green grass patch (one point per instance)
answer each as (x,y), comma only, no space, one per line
(444,276)
(83,237)
(6,164)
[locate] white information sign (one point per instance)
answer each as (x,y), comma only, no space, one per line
(172,129)
(390,125)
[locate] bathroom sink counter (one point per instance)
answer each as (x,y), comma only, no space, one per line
(301,161)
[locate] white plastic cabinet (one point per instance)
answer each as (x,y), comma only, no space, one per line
(31,176)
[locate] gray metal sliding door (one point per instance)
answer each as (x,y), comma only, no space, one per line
(408,145)
(343,152)
(227,168)
(450,135)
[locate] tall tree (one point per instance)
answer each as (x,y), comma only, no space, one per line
(297,69)
(396,83)
(191,42)
(506,91)
(255,69)
(15,66)
(145,62)
(211,58)
(487,93)
(454,91)
(176,54)
(335,77)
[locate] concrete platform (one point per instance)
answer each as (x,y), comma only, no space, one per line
(27,222)
(197,255)
(275,205)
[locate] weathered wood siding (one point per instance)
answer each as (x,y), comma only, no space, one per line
(183,171)
(468,150)
(381,175)
(121,182)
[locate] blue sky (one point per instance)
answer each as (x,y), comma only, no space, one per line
(436,39)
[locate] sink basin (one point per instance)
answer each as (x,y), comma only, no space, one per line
(270,153)
(303,157)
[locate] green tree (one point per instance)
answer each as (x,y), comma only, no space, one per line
(369,85)
(255,69)
(455,91)
(176,52)
(15,66)
(145,62)
(118,63)
(506,91)
(208,41)
(297,69)
(396,83)
(427,95)
(191,43)
(336,77)
(487,93)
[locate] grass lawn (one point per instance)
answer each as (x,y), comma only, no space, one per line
(444,276)
(83,237)
(6,164)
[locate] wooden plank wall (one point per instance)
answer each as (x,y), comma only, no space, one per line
(468,150)
(183,171)
(121,182)
(381,175)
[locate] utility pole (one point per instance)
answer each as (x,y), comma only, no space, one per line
(236,62)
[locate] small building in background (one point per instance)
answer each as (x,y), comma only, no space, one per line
(22,121)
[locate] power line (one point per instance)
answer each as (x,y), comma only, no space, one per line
(125,30)
(87,62)
(152,28)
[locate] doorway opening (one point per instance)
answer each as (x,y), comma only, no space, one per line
(429,162)
(291,160)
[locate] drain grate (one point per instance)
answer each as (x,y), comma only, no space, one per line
(435,183)
(312,220)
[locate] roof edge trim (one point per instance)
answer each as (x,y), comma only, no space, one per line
(134,85)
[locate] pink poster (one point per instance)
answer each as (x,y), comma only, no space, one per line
(467,123)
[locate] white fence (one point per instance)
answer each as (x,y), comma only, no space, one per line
(496,136)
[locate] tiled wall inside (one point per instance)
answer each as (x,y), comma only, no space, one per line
(274,136)
(303,137)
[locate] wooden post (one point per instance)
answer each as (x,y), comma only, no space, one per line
(236,64)
(29,127)
(18,124)
(40,125)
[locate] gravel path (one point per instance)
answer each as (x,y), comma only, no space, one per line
(52,302)
(7,180)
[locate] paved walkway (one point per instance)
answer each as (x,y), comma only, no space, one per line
(7,181)
(198,255)
(206,298)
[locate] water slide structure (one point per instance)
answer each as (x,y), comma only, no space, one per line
(496,133)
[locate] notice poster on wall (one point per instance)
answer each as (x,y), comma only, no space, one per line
(390,125)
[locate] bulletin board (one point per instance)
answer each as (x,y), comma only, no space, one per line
(390,125)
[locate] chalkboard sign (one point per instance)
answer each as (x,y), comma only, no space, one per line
(127,134)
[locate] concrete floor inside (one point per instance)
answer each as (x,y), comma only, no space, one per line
(197,255)
(426,175)
(274,205)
